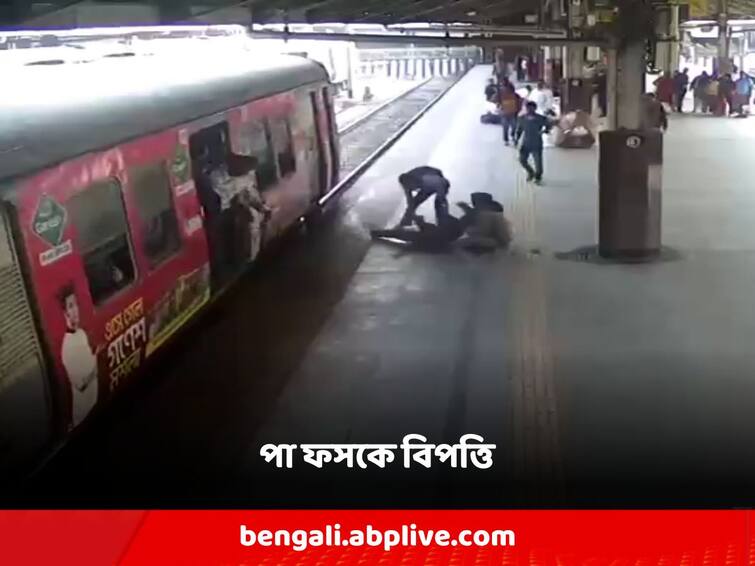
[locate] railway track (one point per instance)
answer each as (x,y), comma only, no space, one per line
(367,139)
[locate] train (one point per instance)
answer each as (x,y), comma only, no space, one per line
(133,192)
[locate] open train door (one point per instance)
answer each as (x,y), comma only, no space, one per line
(321,152)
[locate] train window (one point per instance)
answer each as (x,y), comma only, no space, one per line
(284,146)
(102,238)
(152,192)
(256,141)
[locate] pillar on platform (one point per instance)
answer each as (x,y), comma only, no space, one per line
(676,36)
(724,61)
(574,61)
(631,157)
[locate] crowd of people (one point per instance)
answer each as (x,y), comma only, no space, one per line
(717,94)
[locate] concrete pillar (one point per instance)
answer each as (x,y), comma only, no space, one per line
(626,85)
(724,64)
(574,61)
(631,159)
(662,48)
(675,32)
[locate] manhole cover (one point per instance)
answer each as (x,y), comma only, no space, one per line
(590,254)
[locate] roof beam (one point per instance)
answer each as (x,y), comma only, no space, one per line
(497,40)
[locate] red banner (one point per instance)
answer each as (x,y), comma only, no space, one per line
(615,538)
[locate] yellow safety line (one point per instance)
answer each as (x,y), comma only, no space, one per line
(537,456)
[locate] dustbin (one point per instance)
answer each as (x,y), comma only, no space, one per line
(630,193)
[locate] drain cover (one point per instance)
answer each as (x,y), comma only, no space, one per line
(590,254)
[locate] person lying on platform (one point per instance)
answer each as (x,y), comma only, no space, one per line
(488,228)
(420,184)
(427,237)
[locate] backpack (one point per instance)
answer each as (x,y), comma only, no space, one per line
(490,119)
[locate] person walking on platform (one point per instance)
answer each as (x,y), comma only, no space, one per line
(681,82)
(420,184)
(530,131)
(699,88)
(510,104)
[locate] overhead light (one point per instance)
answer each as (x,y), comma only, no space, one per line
(472,13)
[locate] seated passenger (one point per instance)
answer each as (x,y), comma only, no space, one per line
(488,228)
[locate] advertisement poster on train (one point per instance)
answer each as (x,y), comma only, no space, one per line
(136,332)
(178,305)
(78,357)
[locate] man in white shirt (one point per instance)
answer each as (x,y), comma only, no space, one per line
(78,358)
(543,97)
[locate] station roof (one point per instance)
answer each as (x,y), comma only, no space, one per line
(123,12)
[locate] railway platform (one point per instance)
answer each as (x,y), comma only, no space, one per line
(601,385)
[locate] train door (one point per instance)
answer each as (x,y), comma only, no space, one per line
(25,410)
(221,178)
(322,173)
(332,134)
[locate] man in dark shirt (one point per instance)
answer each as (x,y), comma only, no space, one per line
(681,82)
(420,184)
(530,131)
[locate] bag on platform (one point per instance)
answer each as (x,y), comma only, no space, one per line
(490,118)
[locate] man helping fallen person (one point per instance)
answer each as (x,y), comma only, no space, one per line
(420,184)
(482,228)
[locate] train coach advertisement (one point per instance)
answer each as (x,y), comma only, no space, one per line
(111,282)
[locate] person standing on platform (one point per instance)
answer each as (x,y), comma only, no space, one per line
(681,82)
(699,88)
(744,93)
(727,88)
(510,103)
(664,89)
(420,184)
(531,128)
(715,102)
(543,97)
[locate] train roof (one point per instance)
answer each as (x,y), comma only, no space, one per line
(49,114)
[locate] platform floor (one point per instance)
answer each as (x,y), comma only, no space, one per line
(602,385)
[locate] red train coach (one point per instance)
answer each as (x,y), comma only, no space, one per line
(131,192)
